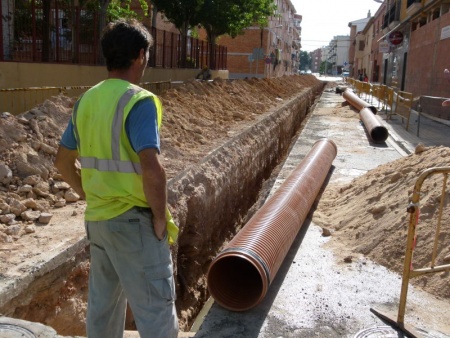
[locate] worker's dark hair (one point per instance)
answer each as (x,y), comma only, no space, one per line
(121,42)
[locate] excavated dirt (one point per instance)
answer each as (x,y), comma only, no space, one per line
(369,216)
(365,217)
(38,209)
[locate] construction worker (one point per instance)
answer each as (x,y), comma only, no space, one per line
(114,130)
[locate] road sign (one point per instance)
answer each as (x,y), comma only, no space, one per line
(396,38)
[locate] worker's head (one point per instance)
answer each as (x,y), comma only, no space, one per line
(122,42)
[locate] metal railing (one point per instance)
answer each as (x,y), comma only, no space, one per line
(393,101)
(20,100)
(408,270)
(57,31)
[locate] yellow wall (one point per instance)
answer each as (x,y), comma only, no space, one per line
(23,75)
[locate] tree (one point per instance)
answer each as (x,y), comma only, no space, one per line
(183,14)
(305,60)
(231,17)
(218,17)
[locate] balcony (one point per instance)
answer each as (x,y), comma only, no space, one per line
(413,7)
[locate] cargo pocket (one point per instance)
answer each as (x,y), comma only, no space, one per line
(161,284)
(126,236)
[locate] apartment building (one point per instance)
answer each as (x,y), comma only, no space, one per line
(379,47)
(316,60)
(406,45)
(338,53)
(357,45)
(270,51)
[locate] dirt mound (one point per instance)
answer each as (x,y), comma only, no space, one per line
(36,205)
(369,215)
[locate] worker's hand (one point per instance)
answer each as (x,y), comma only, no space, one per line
(160,227)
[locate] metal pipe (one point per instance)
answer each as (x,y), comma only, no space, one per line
(376,131)
(356,102)
(239,277)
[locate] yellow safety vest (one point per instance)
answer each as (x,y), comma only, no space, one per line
(111,172)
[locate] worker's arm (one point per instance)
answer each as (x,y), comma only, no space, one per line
(66,163)
(155,189)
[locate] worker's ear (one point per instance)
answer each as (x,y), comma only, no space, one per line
(142,53)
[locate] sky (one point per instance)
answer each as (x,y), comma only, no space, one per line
(324,19)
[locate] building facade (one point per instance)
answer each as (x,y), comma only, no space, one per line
(270,51)
(357,45)
(316,60)
(410,47)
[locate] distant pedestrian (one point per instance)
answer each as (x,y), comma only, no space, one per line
(366,79)
(446,103)
(114,131)
(360,78)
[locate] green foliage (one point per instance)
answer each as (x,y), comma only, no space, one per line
(218,17)
(182,13)
(121,9)
(305,60)
(231,17)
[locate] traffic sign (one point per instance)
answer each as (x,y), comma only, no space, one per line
(396,38)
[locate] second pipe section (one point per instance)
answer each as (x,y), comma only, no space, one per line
(376,131)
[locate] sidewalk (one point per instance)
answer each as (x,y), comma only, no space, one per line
(421,129)
(315,296)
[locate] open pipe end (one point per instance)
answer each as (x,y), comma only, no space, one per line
(236,282)
(373,109)
(379,134)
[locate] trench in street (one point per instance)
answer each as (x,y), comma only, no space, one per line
(212,201)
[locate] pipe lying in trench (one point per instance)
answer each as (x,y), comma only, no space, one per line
(239,277)
(356,102)
(377,132)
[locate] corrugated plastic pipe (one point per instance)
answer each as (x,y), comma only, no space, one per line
(239,277)
(377,132)
(356,102)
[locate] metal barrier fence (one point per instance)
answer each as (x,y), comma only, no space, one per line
(61,31)
(408,270)
(20,100)
(394,102)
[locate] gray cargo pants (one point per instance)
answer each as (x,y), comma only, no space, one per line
(128,263)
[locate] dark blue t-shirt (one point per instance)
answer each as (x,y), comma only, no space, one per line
(141,127)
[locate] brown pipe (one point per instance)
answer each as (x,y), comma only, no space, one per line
(239,277)
(356,102)
(377,132)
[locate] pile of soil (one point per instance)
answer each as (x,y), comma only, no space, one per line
(367,215)
(37,208)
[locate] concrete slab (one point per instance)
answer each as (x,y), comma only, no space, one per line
(314,295)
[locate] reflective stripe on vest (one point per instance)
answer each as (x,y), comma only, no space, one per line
(114,164)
